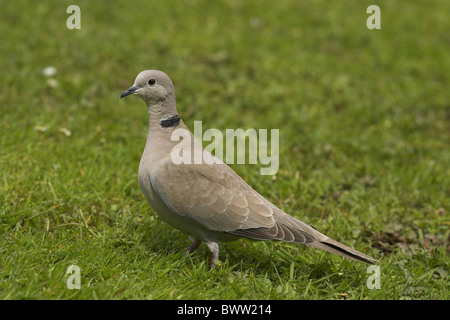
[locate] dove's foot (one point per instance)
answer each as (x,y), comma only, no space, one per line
(193,246)
(214,248)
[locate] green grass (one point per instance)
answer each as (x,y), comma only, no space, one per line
(364,119)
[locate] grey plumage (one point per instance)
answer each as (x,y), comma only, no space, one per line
(209,202)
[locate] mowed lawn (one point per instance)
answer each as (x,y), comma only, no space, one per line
(364,122)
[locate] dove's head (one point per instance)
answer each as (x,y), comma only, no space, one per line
(153,86)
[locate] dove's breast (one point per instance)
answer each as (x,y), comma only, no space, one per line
(146,169)
(181,222)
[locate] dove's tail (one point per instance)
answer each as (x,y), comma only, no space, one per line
(333,246)
(294,230)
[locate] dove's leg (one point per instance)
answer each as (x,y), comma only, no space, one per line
(214,248)
(193,246)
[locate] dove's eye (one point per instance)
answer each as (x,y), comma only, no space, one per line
(151,81)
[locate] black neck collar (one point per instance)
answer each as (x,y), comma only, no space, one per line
(171,121)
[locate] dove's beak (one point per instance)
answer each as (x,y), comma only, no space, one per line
(129,91)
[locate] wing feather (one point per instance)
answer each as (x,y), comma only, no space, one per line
(217,198)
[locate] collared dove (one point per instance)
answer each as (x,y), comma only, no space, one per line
(209,201)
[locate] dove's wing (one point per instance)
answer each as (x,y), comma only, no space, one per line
(217,198)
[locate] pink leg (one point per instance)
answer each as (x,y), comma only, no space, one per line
(214,248)
(193,246)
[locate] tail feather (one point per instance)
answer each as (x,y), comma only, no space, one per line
(292,230)
(333,246)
